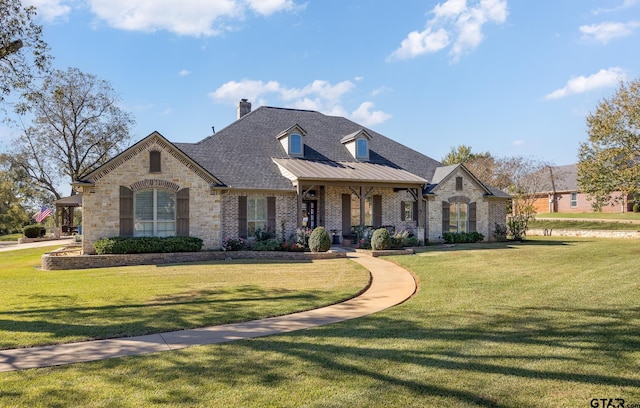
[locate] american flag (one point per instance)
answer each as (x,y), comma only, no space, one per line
(42,214)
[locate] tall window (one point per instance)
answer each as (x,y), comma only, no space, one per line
(295,144)
(155,164)
(256,214)
(459,217)
(362,149)
(154,213)
(355,210)
(408,210)
(574,200)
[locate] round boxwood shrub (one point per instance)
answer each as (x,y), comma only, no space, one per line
(381,239)
(33,231)
(319,240)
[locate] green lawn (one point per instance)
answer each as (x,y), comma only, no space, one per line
(45,307)
(593,216)
(11,237)
(545,323)
(584,224)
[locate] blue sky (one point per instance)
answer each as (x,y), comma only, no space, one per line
(515,78)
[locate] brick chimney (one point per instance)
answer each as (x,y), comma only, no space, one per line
(244,107)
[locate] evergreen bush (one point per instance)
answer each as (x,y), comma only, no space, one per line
(33,231)
(381,239)
(143,245)
(319,240)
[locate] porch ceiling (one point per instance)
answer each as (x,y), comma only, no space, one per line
(331,171)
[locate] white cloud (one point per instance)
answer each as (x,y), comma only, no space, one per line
(365,116)
(268,7)
(184,17)
(604,32)
(50,10)
(602,79)
(319,95)
(455,23)
(184,72)
(625,5)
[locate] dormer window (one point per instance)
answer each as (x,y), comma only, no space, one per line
(362,149)
(292,141)
(295,144)
(358,144)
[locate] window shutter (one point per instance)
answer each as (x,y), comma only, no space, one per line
(126,212)
(271,214)
(346,214)
(182,213)
(445,216)
(377,210)
(472,217)
(154,162)
(402,210)
(415,210)
(242,216)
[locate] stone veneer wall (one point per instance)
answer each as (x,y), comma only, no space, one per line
(101,202)
(50,262)
(487,212)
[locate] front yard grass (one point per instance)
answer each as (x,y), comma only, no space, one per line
(47,307)
(548,322)
(584,224)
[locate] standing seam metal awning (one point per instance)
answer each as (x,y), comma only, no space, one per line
(363,172)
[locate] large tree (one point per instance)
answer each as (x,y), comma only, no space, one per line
(18,197)
(23,53)
(77,127)
(610,160)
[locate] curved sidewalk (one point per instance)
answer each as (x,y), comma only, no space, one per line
(390,285)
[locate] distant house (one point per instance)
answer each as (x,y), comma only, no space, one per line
(559,193)
(281,169)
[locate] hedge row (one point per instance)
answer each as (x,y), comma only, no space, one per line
(143,245)
(462,237)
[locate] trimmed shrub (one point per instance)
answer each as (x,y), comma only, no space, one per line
(33,231)
(462,237)
(266,245)
(381,239)
(319,240)
(636,207)
(144,245)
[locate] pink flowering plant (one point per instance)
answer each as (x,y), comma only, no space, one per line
(234,244)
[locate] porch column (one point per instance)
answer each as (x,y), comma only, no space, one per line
(299,202)
(362,200)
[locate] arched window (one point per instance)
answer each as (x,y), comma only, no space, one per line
(154,213)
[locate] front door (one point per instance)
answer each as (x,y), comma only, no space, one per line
(310,213)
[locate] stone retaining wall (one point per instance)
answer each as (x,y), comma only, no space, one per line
(583,233)
(51,262)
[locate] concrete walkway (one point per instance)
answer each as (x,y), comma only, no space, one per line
(390,286)
(14,246)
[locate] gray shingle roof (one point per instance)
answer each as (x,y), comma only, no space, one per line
(241,154)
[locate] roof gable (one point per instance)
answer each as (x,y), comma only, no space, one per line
(444,173)
(155,138)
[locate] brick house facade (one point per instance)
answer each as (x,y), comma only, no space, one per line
(281,169)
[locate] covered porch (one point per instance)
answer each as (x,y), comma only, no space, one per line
(347,196)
